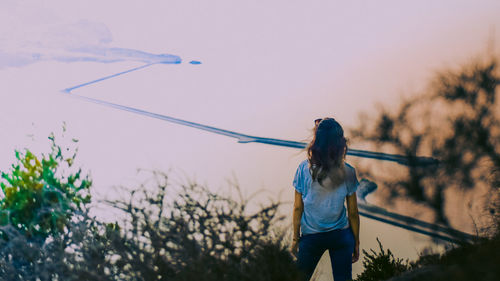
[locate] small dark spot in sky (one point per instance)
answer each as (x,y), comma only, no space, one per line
(195,62)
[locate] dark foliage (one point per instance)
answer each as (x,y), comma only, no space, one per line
(168,233)
(381,265)
(477,261)
(194,233)
(457,122)
(77,254)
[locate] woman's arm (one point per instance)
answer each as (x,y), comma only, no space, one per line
(353,216)
(298,209)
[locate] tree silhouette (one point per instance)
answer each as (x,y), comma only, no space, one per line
(458,122)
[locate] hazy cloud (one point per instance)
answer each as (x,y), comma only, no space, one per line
(80,41)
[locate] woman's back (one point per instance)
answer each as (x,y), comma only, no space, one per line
(324,208)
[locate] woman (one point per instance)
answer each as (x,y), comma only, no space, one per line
(322,183)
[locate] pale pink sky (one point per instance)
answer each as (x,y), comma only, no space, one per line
(268,68)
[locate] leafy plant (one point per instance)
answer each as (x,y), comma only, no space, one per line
(188,232)
(381,265)
(478,260)
(38,198)
(167,232)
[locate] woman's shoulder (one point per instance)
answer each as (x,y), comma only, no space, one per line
(351,173)
(304,164)
(350,170)
(304,168)
(302,179)
(349,167)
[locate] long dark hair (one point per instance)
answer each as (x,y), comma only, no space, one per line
(326,151)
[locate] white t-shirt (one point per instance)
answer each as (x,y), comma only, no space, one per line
(324,208)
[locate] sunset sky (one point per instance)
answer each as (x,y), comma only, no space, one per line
(269,68)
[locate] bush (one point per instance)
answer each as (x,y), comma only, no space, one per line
(198,233)
(478,260)
(38,198)
(168,233)
(381,265)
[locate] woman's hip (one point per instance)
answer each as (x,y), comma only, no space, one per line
(337,238)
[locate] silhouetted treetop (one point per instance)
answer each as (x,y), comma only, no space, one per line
(458,122)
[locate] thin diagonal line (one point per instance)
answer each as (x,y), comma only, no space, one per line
(68,90)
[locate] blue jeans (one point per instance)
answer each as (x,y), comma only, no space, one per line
(340,245)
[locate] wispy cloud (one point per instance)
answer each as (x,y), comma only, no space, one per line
(75,42)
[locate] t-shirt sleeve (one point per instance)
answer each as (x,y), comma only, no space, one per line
(299,179)
(353,186)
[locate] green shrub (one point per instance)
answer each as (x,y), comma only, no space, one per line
(38,199)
